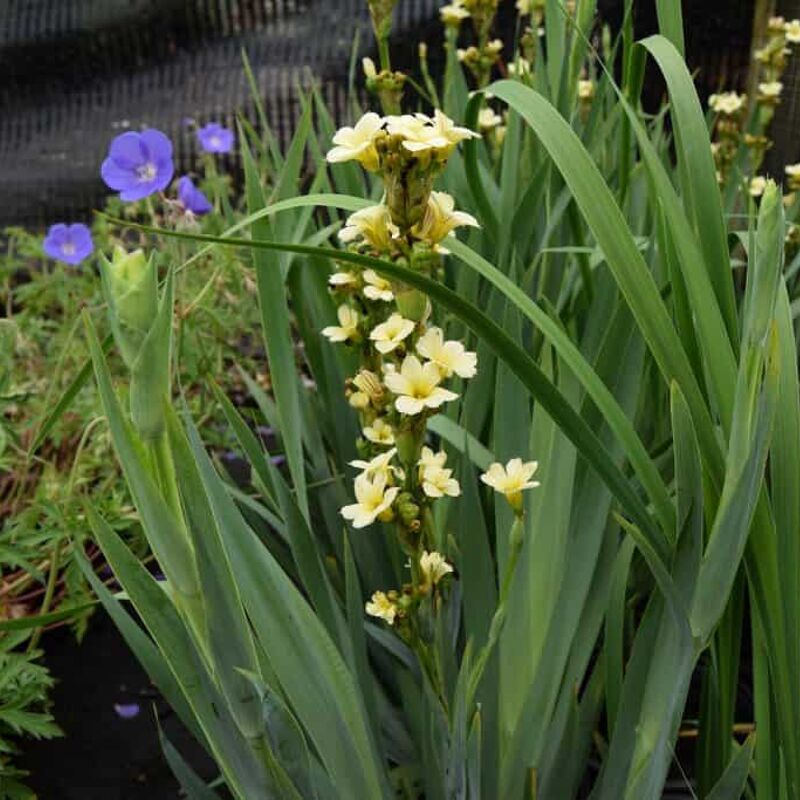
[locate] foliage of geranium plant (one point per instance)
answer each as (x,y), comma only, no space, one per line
(55,450)
(574,432)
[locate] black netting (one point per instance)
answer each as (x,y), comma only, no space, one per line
(77,72)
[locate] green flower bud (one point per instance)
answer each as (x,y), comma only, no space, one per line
(411,303)
(131,285)
(142,326)
(407,509)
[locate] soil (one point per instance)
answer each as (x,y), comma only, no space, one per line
(104,755)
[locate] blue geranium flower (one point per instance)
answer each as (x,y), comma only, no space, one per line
(214,138)
(68,243)
(192,199)
(138,164)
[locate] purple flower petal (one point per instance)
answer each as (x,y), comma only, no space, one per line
(127,710)
(138,164)
(70,244)
(191,198)
(157,145)
(215,138)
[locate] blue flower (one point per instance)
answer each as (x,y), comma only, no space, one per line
(192,199)
(68,243)
(138,164)
(214,138)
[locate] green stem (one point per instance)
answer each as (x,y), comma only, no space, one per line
(55,558)
(515,547)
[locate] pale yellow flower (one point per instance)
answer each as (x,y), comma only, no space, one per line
(390,334)
(430,460)
(382,607)
(417,386)
(453,13)
(342,279)
(358,400)
(373,498)
(357,143)
(450,357)
(792,31)
(793,170)
(512,479)
(488,119)
(757,186)
(380,465)
(776,24)
(368,65)
(494,47)
(439,482)
(523,7)
(434,567)
(373,225)
(727,103)
(770,90)
(436,481)
(585,90)
(347,327)
(377,288)
(380,432)
(441,219)
(422,133)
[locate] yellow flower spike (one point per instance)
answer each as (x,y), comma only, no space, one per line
(372,225)
(511,480)
(417,386)
(441,219)
(390,334)
(434,567)
(727,103)
(380,432)
(377,288)
(523,7)
(357,143)
(347,329)
(373,500)
(450,357)
(382,607)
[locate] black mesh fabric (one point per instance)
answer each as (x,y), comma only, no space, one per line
(75,73)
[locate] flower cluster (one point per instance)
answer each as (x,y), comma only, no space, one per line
(139,165)
(730,108)
(408,368)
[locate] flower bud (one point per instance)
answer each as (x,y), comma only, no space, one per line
(142,327)
(370,384)
(131,285)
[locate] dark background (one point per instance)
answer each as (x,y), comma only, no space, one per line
(75,73)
